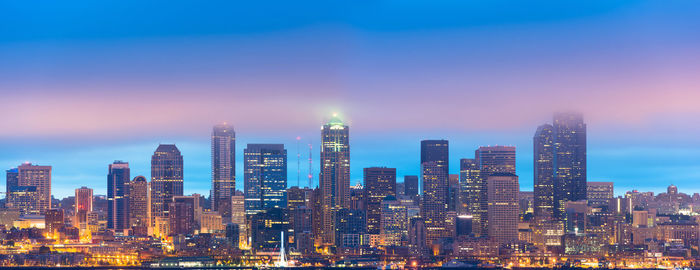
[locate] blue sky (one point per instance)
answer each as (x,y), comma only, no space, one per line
(84,83)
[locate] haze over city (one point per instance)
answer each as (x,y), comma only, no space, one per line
(79,95)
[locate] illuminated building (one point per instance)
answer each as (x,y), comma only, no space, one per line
(334,181)
(575,216)
(117,196)
(547,234)
(266,228)
(503,191)
(569,160)
(138,204)
(39,177)
(544,172)
(23,198)
(211,222)
(583,244)
(349,224)
(380,182)
(223,164)
(491,160)
(394,223)
(83,206)
(599,193)
(12,180)
(54,220)
(473,192)
(166,179)
(434,174)
(453,195)
(265,176)
(238,217)
(181,215)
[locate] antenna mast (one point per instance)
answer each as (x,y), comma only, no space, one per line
(311,168)
(298,163)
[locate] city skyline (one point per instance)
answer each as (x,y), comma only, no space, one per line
(203,186)
(432,134)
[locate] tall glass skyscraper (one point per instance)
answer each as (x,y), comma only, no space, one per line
(434,157)
(265,176)
(223,164)
(334,181)
(569,160)
(117,195)
(166,179)
(544,172)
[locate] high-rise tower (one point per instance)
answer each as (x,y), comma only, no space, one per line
(334,181)
(223,164)
(39,177)
(434,175)
(491,160)
(166,179)
(569,132)
(379,183)
(544,172)
(117,195)
(265,176)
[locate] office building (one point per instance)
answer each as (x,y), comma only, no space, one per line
(569,160)
(166,179)
(394,223)
(410,183)
(544,172)
(599,193)
(138,203)
(503,189)
(12,179)
(380,182)
(265,176)
(39,177)
(118,180)
(223,164)
(182,215)
(334,181)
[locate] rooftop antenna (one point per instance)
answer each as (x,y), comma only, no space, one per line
(311,168)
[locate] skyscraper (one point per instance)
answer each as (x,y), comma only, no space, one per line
(223,164)
(544,171)
(39,177)
(491,160)
(496,159)
(410,183)
(166,179)
(394,223)
(569,160)
(83,206)
(503,189)
(12,177)
(379,183)
(334,179)
(118,195)
(434,174)
(138,203)
(265,177)
(473,192)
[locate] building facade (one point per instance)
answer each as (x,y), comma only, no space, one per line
(334,180)
(118,179)
(380,182)
(166,179)
(223,164)
(265,176)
